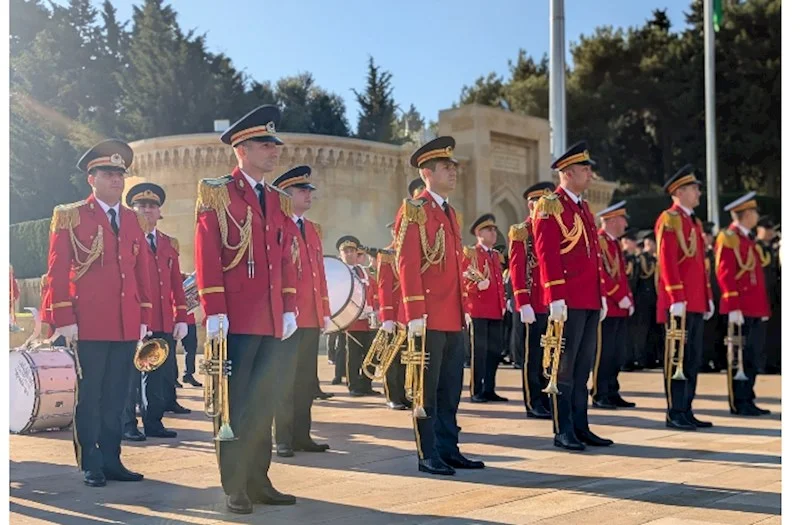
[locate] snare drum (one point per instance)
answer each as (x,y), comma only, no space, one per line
(346,294)
(42,387)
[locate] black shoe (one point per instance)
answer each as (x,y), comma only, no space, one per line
(239,503)
(492,396)
(539,412)
(285,451)
(407,403)
(269,496)
(133,435)
(626,368)
(323,395)
(120,473)
(517,366)
(178,409)
(747,410)
(373,393)
(568,441)
(177,384)
(190,380)
(459,461)
(696,422)
(160,433)
(94,478)
(336,381)
(435,466)
(603,403)
(356,393)
(590,438)
(621,403)
(680,422)
(762,411)
(396,406)
(478,399)
(311,446)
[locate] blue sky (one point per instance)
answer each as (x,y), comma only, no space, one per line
(431,47)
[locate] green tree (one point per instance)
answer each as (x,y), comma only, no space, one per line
(377,113)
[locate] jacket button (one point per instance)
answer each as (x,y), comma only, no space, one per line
(161,283)
(122,275)
(122,294)
(162,297)
(119,257)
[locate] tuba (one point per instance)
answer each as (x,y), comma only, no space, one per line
(190,289)
(217,367)
(382,352)
(675,343)
(150,354)
(552,346)
(735,343)
(416,360)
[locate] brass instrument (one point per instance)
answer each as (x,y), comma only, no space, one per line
(217,367)
(735,343)
(416,360)
(150,354)
(190,289)
(676,345)
(552,345)
(374,322)
(371,366)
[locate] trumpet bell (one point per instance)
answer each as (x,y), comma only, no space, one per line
(678,375)
(150,355)
(740,376)
(225,433)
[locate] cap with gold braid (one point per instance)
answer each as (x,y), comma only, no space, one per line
(112,154)
(487,220)
(578,153)
(438,148)
(683,177)
(146,192)
(746,202)
(538,190)
(299,177)
(259,125)
(348,241)
(615,210)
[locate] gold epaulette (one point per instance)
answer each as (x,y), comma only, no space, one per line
(728,239)
(413,211)
(143,223)
(469,252)
(66,216)
(518,232)
(460,219)
(672,220)
(175,244)
(548,205)
(212,194)
(385,258)
(286,202)
(318,227)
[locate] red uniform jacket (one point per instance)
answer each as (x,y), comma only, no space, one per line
(254,296)
(429,264)
(389,295)
(523,267)
(566,246)
(371,289)
(312,286)
(166,284)
(682,273)
(98,280)
(489,303)
(615,280)
(740,275)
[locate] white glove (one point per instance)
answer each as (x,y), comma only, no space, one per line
(603,308)
(558,310)
(289,325)
(677,309)
(526,314)
(631,310)
(415,327)
(625,303)
(468,319)
(327,325)
(388,326)
(180,331)
(483,285)
(69,332)
(765,319)
(710,313)
(736,317)
(213,326)
(142,332)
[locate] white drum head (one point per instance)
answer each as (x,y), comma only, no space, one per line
(22,388)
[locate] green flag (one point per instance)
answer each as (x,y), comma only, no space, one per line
(717,14)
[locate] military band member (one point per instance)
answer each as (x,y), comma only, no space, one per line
(714,331)
(486,305)
(766,247)
(99,284)
(529,301)
(428,259)
(247,284)
(613,330)
(646,334)
(167,320)
(744,298)
(359,335)
(293,413)
(569,261)
(189,344)
(631,362)
(683,291)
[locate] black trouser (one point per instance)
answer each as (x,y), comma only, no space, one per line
(517,339)
(190,349)
(533,380)
(355,352)
(340,355)
(487,352)
(293,411)
(171,372)
(330,342)
(610,357)
(437,435)
(394,379)
(680,393)
(134,397)
(258,374)
(102,387)
(570,406)
(742,392)
(157,389)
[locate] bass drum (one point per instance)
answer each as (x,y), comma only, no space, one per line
(346,294)
(42,387)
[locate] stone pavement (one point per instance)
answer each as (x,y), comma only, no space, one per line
(730,474)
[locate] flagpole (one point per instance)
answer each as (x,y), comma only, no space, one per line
(558,110)
(712,195)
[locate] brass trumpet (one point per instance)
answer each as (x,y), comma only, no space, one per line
(217,367)
(675,342)
(416,360)
(382,352)
(150,354)
(735,343)
(552,345)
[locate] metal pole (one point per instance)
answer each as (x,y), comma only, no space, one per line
(558,110)
(712,195)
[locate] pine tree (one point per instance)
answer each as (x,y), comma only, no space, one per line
(377,117)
